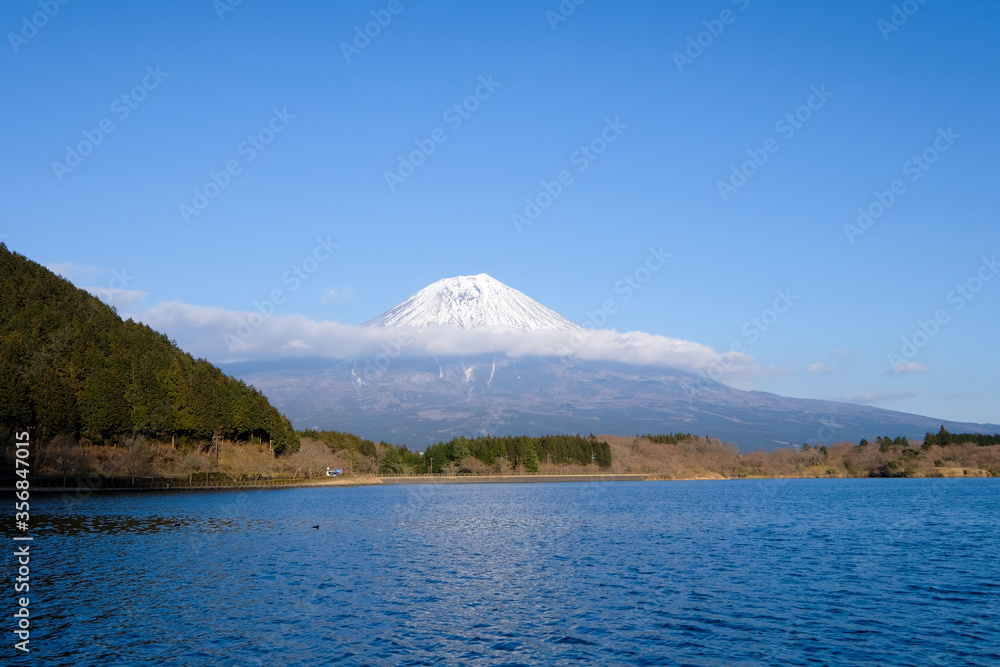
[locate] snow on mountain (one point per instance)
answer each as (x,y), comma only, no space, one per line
(468,302)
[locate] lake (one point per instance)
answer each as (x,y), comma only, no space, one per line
(756,572)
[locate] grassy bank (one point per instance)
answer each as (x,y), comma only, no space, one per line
(708,458)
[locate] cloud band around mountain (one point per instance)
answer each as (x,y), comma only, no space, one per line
(222,335)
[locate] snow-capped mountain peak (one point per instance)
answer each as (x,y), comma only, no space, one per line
(468,302)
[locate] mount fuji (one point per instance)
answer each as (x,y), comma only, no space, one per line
(468,302)
(417,399)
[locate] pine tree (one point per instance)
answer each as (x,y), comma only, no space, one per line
(531,459)
(71,366)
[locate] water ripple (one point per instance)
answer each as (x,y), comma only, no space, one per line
(779,572)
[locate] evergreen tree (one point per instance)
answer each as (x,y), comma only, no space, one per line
(71,366)
(392,462)
(531,459)
(603,454)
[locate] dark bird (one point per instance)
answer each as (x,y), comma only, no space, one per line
(316,527)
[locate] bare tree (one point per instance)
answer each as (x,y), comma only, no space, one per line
(241,461)
(67,456)
(314,457)
(194,462)
(471,464)
(113,462)
(138,460)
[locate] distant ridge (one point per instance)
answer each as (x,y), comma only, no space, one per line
(468,302)
(423,400)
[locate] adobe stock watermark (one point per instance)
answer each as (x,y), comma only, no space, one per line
(714,28)
(562,13)
(926,330)
(390,352)
(22,552)
(294,277)
(122,107)
(787,125)
(454,116)
(827,431)
(627,287)
(223,7)
(915,167)
(752,329)
(31,25)
(120,281)
(901,13)
(581,158)
(381,18)
(248,149)
(117,286)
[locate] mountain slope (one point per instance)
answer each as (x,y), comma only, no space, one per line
(69,365)
(468,302)
(425,400)
(421,400)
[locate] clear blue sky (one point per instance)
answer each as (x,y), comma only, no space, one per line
(681,128)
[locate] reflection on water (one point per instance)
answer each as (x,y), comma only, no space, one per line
(110,524)
(887,572)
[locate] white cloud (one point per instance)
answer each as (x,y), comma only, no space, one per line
(76,273)
(819,368)
(334,296)
(119,298)
(906,367)
(222,336)
(877,397)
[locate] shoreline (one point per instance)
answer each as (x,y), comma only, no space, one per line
(410,480)
(343,482)
(513,479)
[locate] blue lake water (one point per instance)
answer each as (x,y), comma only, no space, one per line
(773,572)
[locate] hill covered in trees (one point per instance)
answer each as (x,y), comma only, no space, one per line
(70,366)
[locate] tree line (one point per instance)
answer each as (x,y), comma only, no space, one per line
(666,438)
(469,455)
(514,452)
(70,366)
(943,437)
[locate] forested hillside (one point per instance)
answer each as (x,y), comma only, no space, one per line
(70,366)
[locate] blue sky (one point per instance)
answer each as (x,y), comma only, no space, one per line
(208,89)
